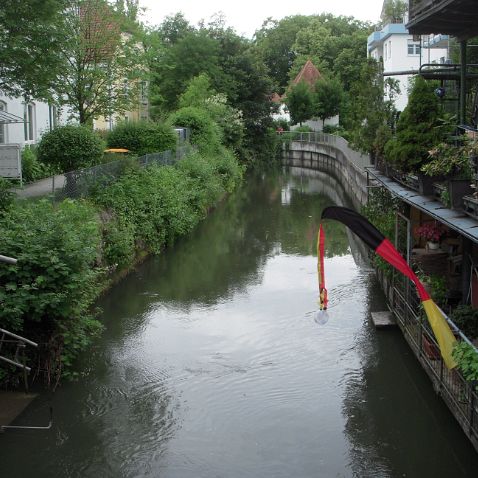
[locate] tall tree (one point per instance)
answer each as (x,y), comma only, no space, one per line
(103,61)
(275,40)
(191,55)
(328,98)
(30,35)
(300,102)
(371,104)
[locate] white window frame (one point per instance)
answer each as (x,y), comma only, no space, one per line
(413,48)
(29,125)
(3,127)
(53,116)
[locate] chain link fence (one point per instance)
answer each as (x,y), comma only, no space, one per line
(80,183)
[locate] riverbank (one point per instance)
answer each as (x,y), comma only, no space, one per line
(68,253)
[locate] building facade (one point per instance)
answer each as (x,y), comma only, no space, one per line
(33,119)
(402,54)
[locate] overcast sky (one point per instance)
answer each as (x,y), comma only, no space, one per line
(246,16)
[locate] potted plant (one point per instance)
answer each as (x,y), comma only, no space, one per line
(432,232)
(453,163)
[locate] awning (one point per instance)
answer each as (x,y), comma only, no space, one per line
(9,118)
(456,220)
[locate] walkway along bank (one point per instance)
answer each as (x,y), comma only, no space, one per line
(453,260)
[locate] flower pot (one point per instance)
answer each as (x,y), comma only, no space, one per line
(425,184)
(471,206)
(433,246)
(457,188)
(430,349)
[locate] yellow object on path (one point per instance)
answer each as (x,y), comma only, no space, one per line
(116,150)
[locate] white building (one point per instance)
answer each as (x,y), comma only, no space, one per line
(33,119)
(402,52)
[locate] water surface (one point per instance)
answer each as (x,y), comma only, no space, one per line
(211,364)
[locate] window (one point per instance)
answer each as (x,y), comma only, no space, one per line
(53,112)
(413,47)
(3,127)
(29,118)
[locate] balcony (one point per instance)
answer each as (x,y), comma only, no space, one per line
(458,18)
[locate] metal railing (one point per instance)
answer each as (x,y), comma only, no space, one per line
(361,161)
(460,395)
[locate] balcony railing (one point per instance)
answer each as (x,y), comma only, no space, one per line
(460,395)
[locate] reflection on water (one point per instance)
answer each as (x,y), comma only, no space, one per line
(212,364)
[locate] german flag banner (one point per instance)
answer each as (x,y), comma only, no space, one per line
(385,249)
(323,301)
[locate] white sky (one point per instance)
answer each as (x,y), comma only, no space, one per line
(246,16)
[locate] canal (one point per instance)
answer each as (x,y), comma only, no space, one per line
(211,363)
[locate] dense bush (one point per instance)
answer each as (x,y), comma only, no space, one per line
(68,148)
(54,282)
(205,133)
(6,196)
(153,202)
(142,137)
(155,205)
(32,169)
(205,185)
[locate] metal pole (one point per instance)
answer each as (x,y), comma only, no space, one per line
(8,260)
(18,337)
(17,364)
(463,81)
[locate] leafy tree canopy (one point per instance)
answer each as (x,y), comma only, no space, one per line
(30,35)
(300,102)
(328,98)
(103,61)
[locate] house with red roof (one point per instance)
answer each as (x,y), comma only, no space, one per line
(309,73)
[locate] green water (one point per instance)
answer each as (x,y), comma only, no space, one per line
(212,365)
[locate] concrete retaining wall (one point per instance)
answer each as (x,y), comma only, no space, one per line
(331,159)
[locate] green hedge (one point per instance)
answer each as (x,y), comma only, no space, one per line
(142,137)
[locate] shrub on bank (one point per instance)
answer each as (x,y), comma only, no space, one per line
(47,295)
(32,169)
(142,137)
(205,133)
(154,206)
(68,148)
(6,196)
